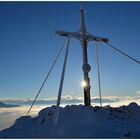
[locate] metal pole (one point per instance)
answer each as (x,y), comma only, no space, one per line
(61,82)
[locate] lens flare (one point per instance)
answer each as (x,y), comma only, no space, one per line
(84,84)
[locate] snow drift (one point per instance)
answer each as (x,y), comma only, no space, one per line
(78,121)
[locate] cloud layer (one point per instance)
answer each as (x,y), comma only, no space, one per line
(69,99)
(9,115)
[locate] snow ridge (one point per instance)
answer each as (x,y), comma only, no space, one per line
(78,121)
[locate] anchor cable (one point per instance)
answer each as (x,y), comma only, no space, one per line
(98,69)
(47,76)
(131,58)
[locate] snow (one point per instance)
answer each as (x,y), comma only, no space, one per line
(79,121)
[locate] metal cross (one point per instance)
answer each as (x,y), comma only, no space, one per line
(84,37)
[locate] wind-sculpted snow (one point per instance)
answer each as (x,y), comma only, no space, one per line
(78,121)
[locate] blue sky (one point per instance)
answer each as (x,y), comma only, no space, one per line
(28,47)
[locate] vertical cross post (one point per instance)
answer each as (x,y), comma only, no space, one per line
(86,68)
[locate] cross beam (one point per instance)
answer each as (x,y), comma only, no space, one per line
(84,37)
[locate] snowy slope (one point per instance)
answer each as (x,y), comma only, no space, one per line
(78,121)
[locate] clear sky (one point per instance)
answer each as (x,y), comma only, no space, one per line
(28,47)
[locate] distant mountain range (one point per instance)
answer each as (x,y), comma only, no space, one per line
(7,105)
(53,101)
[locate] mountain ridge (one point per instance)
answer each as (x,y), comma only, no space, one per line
(3,105)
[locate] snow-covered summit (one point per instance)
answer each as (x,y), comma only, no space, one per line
(78,121)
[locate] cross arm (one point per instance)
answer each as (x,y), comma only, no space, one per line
(97,38)
(67,34)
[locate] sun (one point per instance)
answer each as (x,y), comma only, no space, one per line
(83,83)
